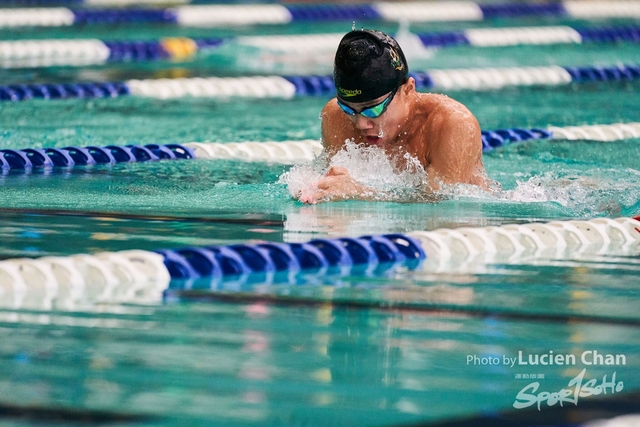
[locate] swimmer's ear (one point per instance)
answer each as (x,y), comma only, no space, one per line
(409,86)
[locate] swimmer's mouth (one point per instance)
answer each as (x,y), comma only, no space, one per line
(372,139)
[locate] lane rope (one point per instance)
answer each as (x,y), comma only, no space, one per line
(283,152)
(270,14)
(81,52)
(288,87)
(31,158)
(46,279)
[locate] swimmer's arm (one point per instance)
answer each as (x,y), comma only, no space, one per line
(338,185)
(457,149)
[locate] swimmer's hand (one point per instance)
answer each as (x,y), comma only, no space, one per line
(336,185)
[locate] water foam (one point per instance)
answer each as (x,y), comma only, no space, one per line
(589,193)
(586,193)
(400,178)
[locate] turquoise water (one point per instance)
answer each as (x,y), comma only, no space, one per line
(383,347)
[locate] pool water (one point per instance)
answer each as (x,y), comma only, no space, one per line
(393,345)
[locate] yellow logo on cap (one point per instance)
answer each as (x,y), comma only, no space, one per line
(349,92)
(395,59)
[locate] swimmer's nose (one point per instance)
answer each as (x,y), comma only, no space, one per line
(363,123)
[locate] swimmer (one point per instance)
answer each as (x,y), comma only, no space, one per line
(377,105)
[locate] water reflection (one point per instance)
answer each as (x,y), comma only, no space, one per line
(588,287)
(304,223)
(260,363)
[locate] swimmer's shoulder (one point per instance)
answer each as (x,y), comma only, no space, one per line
(331,107)
(332,115)
(444,109)
(336,127)
(438,102)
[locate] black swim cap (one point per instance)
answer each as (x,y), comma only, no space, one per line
(368,64)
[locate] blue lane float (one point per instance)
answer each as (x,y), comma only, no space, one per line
(629,33)
(22,92)
(27,159)
(138,50)
(333,12)
(218,262)
(497,138)
(600,74)
(510,10)
(127,16)
(152,50)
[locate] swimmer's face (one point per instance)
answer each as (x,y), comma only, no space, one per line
(377,130)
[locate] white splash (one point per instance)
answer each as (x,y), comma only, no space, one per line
(587,193)
(302,177)
(584,192)
(393,179)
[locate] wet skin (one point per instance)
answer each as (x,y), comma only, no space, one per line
(437,130)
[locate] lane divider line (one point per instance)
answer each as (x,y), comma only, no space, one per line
(82,52)
(277,14)
(284,152)
(104,275)
(288,87)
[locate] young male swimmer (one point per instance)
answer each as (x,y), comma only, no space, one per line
(377,105)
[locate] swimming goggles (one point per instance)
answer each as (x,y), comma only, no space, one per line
(370,112)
